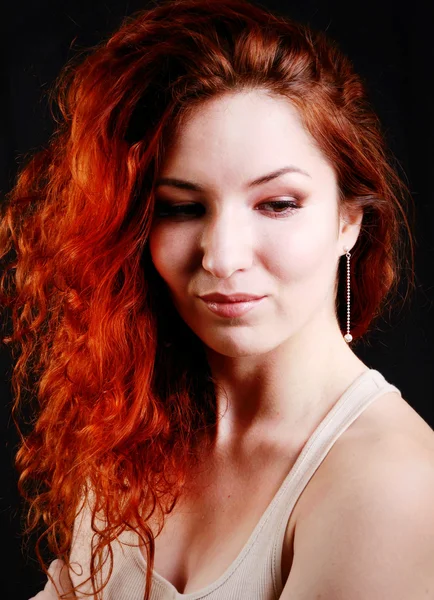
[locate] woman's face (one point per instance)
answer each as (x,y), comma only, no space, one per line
(224,234)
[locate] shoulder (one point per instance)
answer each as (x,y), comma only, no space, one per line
(388,438)
(391,470)
(388,445)
(368,530)
(388,435)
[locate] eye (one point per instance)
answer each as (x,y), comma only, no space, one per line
(283,207)
(167,209)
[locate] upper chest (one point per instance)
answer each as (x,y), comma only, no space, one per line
(209,527)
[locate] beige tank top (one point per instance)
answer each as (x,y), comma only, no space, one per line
(256,572)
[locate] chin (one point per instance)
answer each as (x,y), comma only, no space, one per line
(237,345)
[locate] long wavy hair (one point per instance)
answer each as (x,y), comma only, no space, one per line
(120,394)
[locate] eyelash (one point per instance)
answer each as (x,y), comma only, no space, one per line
(175,210)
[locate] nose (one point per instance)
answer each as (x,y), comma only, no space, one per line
(227,244)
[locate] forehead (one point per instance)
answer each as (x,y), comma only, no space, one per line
(239,136)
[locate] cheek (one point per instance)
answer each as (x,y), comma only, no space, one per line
(168,253)
(297,254)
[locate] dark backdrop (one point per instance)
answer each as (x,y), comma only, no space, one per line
(391,46)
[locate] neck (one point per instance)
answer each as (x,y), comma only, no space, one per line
(284,392)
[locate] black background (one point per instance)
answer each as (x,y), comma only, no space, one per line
(391,46)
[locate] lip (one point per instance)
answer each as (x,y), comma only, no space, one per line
(234,308)
(230,297)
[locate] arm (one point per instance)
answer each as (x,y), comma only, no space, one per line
(371,538)
(58,571)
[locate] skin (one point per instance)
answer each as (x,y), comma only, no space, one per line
(283,365)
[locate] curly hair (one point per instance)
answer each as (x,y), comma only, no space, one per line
(119,389)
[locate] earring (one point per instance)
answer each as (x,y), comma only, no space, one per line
(348,337)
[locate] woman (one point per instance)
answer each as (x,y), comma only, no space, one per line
(213,226)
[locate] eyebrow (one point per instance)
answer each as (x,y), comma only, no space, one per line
(184,184)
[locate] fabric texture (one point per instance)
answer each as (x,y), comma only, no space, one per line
(256,572)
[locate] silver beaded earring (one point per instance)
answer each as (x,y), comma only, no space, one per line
(348,337)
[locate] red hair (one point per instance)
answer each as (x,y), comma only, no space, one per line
(121,392)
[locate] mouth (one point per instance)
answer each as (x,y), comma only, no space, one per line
(233,308)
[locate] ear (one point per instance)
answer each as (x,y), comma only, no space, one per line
(350,221)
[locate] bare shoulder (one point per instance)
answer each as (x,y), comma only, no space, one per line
(391,416)
(366,528)
(388,438)
(390,431)
(388,456)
